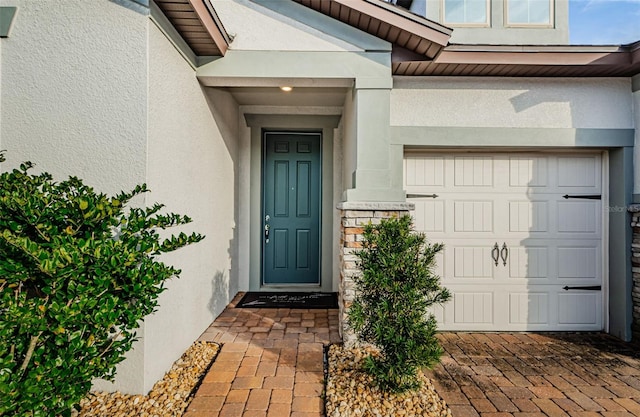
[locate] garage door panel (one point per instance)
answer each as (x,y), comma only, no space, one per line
(579,171)
(578,263)
(581,308)
(473,216)
(473,171)
(578,216)
(529,262)
(472,262)
(528,171)
(424,171)
(473,307)
(514,201)
(429,215)
(528,216)
(528,308)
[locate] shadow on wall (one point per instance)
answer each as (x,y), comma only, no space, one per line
(225,112)
(580,101)
(233,257)
(219,286)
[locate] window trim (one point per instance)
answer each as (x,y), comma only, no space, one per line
(486,24)
(552,17)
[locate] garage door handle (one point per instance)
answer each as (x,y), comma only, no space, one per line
(504,253)
(495,253)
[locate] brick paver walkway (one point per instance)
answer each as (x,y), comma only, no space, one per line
(270,364)
(537,375)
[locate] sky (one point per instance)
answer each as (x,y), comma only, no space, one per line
(604,22)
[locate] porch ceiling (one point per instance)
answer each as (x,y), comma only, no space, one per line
(198,25)
(298,97)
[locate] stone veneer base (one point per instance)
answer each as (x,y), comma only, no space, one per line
(355,215)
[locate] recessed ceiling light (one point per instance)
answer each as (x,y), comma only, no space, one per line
(286,89)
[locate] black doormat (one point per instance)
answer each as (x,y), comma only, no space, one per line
(314,300)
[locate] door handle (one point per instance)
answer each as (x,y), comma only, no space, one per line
(266,228)
(495,252)
(504,253)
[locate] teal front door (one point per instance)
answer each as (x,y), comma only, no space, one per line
(291,208)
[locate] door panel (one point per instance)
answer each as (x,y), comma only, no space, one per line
(545,242)
(291,208)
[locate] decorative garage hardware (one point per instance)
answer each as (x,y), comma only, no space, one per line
(586,197)
(504,253)
(495,253)
(585,288)
(422,195)
(266,228)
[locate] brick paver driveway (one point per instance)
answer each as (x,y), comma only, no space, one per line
(533,375)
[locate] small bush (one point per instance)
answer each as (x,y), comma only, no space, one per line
(393,294)
(78,272)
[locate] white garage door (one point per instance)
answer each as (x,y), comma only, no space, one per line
(522,234)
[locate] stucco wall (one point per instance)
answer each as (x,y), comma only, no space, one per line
(191,160)
(275,30)
(118,108)
(511,102)
(74,99)
(349,135)
(74,90)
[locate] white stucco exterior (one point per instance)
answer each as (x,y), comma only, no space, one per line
(74,94)
(74,91)
(123,107)
(512,102)
(271,30)
(119,108)
(191,156)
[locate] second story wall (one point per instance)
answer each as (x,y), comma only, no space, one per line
(560,103)
(501,22)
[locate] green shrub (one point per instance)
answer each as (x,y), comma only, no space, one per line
(393,294)
(78,272)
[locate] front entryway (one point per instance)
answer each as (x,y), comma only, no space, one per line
(291,195)
(522,233)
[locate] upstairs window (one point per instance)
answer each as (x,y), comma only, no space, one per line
(466,12)
(529,12)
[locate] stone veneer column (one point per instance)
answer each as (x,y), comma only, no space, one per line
(354,215)
(635,268)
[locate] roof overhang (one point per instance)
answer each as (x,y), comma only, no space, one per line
(525,61)
(420,46)
(389,22)
(198,24)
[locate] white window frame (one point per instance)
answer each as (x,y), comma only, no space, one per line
(551,23)
(443,5)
